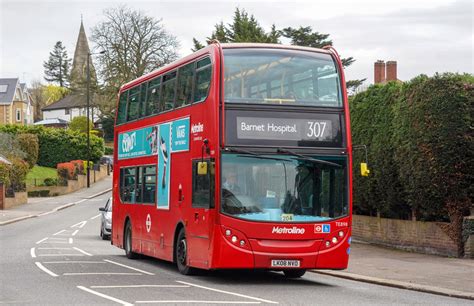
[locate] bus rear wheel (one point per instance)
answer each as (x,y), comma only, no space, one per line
(294,273)
(181,254)
(128,242)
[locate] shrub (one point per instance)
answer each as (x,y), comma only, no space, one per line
(50,181)
(5,170)
(18,173)
(29,144)
(66,171)
(79,164)
(108,151)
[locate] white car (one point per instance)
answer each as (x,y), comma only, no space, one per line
(106,220)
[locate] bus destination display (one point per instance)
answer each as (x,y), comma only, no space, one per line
(284,129)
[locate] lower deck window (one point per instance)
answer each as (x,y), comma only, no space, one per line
(138,184)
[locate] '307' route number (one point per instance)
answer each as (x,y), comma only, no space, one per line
(316,129)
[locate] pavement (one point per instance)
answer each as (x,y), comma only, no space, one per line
(368,263)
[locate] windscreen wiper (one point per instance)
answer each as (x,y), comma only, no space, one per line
(313,160)
(252,154)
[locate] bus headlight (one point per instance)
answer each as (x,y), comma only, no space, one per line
(341,234)
(334,240)
(234,239)
(228,232)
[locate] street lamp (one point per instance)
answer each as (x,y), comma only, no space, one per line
(88,106)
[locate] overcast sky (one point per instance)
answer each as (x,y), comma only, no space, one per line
(423,36)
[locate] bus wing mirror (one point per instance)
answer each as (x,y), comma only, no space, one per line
(202,168)
(364,170)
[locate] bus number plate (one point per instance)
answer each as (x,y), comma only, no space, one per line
(285,263)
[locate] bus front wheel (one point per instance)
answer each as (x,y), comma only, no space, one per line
(128,242)
(294,273)
(181,253)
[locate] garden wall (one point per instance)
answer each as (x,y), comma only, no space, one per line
(418,236)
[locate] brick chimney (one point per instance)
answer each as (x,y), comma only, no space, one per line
(379,71)
(391,71)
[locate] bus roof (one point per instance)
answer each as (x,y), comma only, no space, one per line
(207,50)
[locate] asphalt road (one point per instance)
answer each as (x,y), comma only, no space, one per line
(59,258)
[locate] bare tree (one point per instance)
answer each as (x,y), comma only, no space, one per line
(135,44)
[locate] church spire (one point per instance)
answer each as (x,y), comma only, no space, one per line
(79,64)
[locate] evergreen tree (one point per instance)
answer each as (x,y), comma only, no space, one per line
(56,68)
(244,28)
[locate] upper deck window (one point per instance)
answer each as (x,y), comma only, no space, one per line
(278,76)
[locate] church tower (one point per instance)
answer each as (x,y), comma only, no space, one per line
(79,65)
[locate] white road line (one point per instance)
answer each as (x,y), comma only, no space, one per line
(104,296)
(61,231)
(44,239)
(131,268)
(228,292)
(54,248)
(100,273)
(74,233)
(73,261)
(79,224)
(70,240)
(82,251)
(195,302)
(95,217)
(143,286)
(48,255)
(80,201)
(39,265)
(32,252)
(57,238)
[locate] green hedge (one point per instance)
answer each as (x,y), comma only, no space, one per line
(421,150)
(59,145)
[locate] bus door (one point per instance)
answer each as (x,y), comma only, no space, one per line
(202,209)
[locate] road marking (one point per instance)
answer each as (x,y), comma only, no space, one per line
(79,224)
(228,292)
(95,217)
(32,252)
(80,201)
(54,248)
(100,273)
(44,239)
(39,265)
(73,261)
(47,255)
(143,286)
(196,302)
(70,240)
(82,251)
(61,231)
(74,233)
(56,238)
(131,268)
(104,296)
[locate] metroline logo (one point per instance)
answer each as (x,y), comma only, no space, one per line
(286,230)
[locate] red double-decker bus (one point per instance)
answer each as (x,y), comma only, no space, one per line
(236,156)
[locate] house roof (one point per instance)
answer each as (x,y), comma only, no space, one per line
(55,121)
(7,97)
(73,100)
